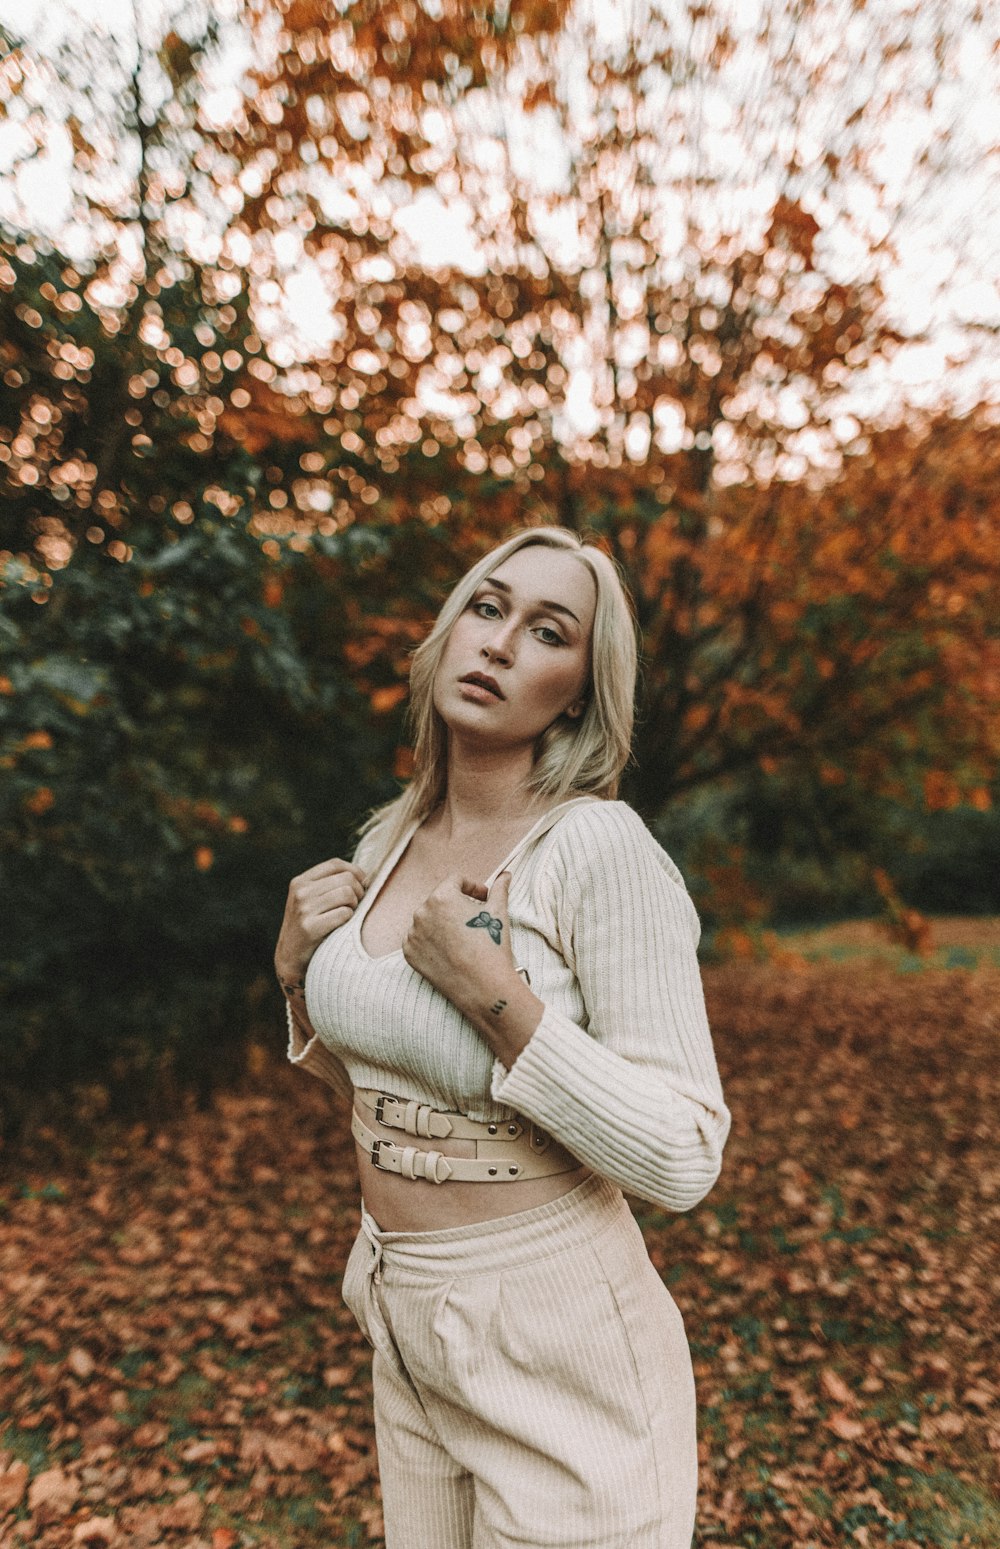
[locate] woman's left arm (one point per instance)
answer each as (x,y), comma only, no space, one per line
(636,1095)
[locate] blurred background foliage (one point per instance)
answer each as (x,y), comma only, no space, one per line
(253,425)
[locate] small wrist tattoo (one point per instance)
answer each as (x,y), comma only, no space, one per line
(497,1007)
(486,921)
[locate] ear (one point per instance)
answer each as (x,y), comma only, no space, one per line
(575,710)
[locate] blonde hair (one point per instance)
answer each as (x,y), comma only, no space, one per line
(573,757)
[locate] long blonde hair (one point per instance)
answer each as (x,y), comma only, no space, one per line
(573,757)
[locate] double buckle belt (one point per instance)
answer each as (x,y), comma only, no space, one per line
(507,1151)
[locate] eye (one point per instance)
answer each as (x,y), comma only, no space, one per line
(554,637)
(483,603)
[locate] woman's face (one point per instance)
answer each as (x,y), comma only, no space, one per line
(518,657)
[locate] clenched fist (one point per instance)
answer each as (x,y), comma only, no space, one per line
(319,900)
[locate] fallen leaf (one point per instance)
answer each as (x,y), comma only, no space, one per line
(835,1387)
(52,1494)
(140,1245)
(200,1451)
(94,1532)
(13,1485)
(81,1363)
(168,1371)
(145,1481)
(149,1434)
(186,1512)
(297,1453)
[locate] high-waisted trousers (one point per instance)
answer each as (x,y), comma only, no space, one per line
(532,1381)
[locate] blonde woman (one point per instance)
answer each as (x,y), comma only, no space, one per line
(503,982)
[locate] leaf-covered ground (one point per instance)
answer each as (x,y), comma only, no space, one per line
(176,1367)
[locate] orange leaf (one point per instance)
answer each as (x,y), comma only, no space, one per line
(95,1532)
(941,790)
(13,1485)
(52,1494)
(40,801)
(185,1513)
(384,699)
(835,1387)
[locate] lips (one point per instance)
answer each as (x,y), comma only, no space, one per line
(483,680)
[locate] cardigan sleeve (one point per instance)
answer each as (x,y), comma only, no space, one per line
(311,1053)
(634,1093)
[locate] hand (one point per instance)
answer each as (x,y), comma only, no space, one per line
(459,940)
(319,900)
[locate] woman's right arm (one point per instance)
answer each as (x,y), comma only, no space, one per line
(319,901)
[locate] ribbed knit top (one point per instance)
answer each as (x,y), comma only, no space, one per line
(620,1068)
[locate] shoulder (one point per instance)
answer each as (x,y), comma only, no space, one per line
(608,836)
(604,861)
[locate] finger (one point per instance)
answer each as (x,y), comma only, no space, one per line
(474,889)
(330,868)
(320,899)
(499,895)
(343,884)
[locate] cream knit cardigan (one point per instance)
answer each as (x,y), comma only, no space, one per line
(620,1068)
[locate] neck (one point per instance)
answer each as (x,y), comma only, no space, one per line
(487,787)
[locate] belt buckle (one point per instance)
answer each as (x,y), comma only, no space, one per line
(380,1102)
(374,1154)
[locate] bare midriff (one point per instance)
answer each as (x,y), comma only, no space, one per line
(416,1205)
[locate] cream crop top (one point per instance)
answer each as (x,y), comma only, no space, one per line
(621,1067)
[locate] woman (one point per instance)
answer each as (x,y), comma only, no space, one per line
(504,983)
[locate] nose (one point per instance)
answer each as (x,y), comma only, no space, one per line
(500,648)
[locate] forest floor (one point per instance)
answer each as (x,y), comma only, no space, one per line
(177,1369)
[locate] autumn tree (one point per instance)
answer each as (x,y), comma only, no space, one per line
(658,325)
(173,701)
(254,424)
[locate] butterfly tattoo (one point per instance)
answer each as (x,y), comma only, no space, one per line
(489,922)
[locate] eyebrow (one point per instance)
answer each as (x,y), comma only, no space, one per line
(549,607)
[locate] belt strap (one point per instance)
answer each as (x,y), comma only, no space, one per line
(501,1161)
(434,1124)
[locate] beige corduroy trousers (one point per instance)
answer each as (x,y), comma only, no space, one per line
(532,1381)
